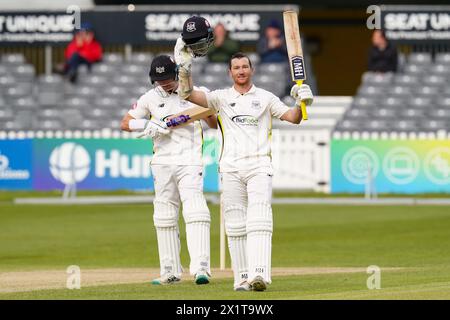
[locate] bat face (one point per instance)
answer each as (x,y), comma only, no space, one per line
(294,46)
(297,68)
(295,52)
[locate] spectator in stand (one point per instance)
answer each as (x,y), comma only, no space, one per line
(223,47)
(83,49)
(272,47)
(383,54)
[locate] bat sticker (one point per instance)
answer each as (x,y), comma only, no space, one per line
(178,120)
(297,66)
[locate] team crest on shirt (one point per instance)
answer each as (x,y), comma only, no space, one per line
(256,104)
(184,104)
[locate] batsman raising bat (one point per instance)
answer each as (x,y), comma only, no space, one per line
(244,116)
(177,172)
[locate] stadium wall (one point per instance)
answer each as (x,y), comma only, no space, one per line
(111,160)
(302,160)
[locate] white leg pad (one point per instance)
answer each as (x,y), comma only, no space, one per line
(259,240)
(197,217)
(234,216)
(165,219)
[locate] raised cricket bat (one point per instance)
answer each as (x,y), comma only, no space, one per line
(295,52)
(185,117)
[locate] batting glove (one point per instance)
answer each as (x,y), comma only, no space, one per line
(302,93)
(155,128)
(183,55)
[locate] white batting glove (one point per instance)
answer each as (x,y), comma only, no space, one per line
(155,128)
(302,93)
(183,55)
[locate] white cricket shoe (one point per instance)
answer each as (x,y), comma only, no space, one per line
(201,277)
(258,284)
(243,286)
(165,279)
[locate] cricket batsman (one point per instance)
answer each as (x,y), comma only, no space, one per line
(177,173)
(244,116)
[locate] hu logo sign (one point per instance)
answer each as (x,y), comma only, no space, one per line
(93,164)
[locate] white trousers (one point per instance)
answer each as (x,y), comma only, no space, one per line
(176,186)
(246,205)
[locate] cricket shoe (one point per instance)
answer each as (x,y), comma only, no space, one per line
(243,286)
(258,284)
(201,277)
(165,279)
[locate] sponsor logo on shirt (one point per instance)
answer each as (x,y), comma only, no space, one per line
(232,104)
(161,105)
(245,120)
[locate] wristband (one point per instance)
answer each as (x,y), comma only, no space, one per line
(137,124)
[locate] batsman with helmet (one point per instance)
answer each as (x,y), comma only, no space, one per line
(177,172)
(244,116)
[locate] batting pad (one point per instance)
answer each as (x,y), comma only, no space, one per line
(197,217)
(165,219)
(259,240)
(234,216)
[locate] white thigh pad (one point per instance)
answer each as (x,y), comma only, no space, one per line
(234,216)
(259,217)
(165,214)
(195,209)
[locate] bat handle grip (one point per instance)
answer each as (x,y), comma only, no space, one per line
(303,104)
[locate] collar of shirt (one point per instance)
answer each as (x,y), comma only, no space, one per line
(237,94)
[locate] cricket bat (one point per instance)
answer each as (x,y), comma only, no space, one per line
(189,115)
(295,52)
(185,117)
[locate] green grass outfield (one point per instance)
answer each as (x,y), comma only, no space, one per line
(413,239)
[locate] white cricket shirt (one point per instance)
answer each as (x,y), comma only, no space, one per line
(245,121)
(182,146)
